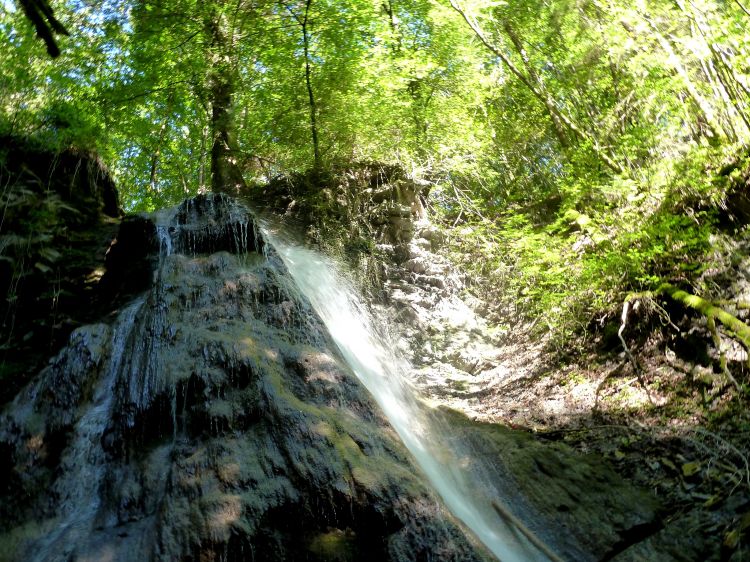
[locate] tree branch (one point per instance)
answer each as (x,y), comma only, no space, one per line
(41,16)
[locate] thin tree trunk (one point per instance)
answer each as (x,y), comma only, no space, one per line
(559,130)
(706,109)
(727,81)
(537,86)
(159,142)
(308,82)
(393,22)
(719,93)
(551,105)
(725,91)
(203,157)
(738,89)
(742,7)
(561,123)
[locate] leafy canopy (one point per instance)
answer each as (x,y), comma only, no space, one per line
(571,140)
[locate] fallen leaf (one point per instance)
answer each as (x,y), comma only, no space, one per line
(690,468)
(732,539)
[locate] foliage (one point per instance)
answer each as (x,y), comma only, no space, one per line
(392,87)
(572,143)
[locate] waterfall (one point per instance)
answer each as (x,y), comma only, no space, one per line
(383,371)
(245,400)
(84,465)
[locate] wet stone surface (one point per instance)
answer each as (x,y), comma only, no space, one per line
(207,418)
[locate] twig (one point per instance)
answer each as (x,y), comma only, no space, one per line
(525,531)
(730,447)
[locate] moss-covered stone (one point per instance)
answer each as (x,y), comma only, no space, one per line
(231,430)
(594,513)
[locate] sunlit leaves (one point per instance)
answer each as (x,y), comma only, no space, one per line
(400,80)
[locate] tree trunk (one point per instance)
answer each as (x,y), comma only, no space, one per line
(739,329)
(561,123)
(742,7)
(308,82)
(226,175)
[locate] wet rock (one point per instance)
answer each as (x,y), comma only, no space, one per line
(131,259)
(348,209)
(425,299)
(209,418)
(214,222)
(416,265)
(594,513)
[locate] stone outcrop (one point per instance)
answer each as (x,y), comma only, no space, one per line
(59,215)
(207,419)
(374,216)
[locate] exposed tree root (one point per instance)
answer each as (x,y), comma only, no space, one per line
(636,368)
(623,323)
(736,327)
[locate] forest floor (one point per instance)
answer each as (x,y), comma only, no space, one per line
(667,420)
(663,428)
(673,425)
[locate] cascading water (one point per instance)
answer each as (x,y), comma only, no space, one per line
(84,463)
(210,419)
(383,370)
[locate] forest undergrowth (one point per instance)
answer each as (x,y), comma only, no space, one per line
(654,383)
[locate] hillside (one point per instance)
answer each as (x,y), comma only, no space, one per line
(542,207)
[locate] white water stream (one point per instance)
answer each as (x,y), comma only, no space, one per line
(383,371)
(84,461)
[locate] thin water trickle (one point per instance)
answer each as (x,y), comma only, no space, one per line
(84,462)
(164,224)
(383,371)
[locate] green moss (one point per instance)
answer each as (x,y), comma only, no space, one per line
(334,545)
(578,491)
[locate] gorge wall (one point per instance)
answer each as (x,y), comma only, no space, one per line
(208,418)
(198,410)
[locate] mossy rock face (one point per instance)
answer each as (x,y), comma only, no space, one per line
(209,419)
(348,210)
(575,503)
(60,214)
